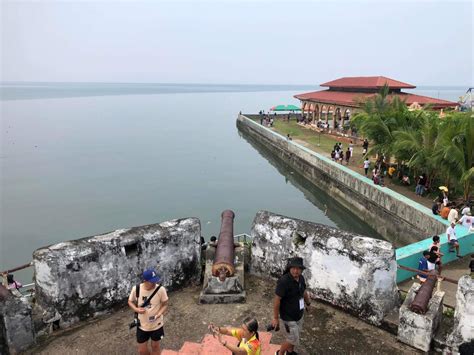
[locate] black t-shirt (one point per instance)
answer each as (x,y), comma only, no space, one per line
(433,257)
(435,209)
(290,291)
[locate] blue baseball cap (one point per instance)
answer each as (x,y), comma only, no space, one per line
(150,275)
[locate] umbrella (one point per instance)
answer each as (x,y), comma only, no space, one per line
(443,188)
(285,108)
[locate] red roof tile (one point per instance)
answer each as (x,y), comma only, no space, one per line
(367,82)
(352,99)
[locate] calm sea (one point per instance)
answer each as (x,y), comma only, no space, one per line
(83,159)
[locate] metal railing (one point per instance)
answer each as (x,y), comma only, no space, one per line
(27,289)
(442,278)
(244,237)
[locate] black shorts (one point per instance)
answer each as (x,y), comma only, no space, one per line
(155,335)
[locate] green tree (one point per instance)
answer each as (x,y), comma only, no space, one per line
(381,116)
(418,144)
(456,150)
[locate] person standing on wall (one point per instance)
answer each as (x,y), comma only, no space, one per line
(452,239)
(150,301)
(289,303)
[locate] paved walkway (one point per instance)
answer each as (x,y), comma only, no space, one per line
(453,270)
(357,167)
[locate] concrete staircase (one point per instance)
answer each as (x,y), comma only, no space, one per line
(211,346)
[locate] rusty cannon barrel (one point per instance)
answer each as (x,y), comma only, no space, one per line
(224,260)
(422,298)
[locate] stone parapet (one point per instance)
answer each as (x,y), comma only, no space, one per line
(463,330)
(350,271)
(85,277)
(16,325)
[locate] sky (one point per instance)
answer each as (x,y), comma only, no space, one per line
(240,42)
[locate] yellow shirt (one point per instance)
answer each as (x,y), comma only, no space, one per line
(148,320)
(251,346)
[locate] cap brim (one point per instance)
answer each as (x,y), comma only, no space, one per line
(155,279)
(298,266)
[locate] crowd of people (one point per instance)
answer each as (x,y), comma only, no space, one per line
(266,120)
(149,301)
(338,155)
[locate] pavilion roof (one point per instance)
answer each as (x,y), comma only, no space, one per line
(353,99)
(367,82)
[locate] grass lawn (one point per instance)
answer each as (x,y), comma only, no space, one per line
(319,142)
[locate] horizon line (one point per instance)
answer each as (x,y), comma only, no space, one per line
(198,83)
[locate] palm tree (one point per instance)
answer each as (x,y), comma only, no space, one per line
(381,116)
(418,144)
(457,153)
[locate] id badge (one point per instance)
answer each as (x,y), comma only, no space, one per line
(301,304)
(151,319)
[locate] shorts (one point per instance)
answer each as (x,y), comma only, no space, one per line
(453,241)
(143,336)
(293,331)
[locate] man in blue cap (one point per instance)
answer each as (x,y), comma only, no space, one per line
(150,302)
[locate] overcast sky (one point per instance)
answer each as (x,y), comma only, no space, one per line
(261,42)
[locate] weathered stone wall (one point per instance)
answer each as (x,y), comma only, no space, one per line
(16,325)
(82,278)
(463,330)
(350,271)
(394,216)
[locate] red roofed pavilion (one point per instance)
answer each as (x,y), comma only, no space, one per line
(345,96)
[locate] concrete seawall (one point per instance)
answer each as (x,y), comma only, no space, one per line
(394,216)
(400,220)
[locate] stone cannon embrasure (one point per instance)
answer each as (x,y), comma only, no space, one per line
(224,260)
(422,298)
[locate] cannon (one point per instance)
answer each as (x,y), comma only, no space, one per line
(223,265)
(422,298)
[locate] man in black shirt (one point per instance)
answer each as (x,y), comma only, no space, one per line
(290,298)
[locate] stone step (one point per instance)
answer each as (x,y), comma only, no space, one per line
(189,348)
(265,338)
(270,349)
(211,346)
(169,352)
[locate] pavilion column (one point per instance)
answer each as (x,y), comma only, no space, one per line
(339,117)
(333,117)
